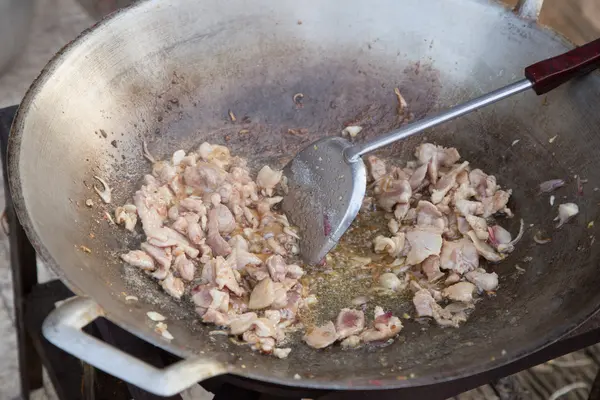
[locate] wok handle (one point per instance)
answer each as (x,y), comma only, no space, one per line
(553,72)
(63,328)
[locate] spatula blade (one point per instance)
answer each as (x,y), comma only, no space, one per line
(325,193)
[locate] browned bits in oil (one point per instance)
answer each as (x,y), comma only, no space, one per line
(232,116)
(298,132)
(85,249)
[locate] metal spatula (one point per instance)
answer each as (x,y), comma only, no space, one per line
(327,180)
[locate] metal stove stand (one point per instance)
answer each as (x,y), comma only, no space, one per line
(73,379)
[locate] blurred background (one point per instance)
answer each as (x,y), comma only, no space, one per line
(33,31)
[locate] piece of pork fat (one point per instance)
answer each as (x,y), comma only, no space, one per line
(224,276)
(140,259)
(426,306)
(267,179)
(193,204)
(385,326)
(496,203)
(184,267)
(257,272)
(431,268)
(163,171)
(150,208)
(461,291)
(242,323)
(424,303)
(209,297)
(225,219)
(180,225)
(393,246)
(502,240)
(220,300)
(215,317)
(436,157)
(417,178)
(468,207)
(394,192)
(126,215)
(162,256)
(214,240)
(242,258)
(484,185)
(485,250)
(204,176)
(446,182)
(215,154)
(280,299)
(459,256)
(479,226)
(194,229)
(423,243)
(321,336)
(262,295)
(483,280)
(173,286)
(349,322)
(376,167)
(167,237)
(428,215)
(277,267)
(463,191)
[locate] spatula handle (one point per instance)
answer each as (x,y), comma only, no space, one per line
(542,77)
(553,72)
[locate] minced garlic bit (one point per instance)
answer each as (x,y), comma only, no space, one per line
(154,316)
(352,130)
(566,211)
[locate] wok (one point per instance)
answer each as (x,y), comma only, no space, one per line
(169,71)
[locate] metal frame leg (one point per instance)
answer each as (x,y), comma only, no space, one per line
(24,274)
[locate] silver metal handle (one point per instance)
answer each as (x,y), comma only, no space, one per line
(354,152)
(63,329)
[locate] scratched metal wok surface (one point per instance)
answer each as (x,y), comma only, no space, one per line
(169,71)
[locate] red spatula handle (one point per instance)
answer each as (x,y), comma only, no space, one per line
(553,72)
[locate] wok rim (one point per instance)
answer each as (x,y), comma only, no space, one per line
(386,383)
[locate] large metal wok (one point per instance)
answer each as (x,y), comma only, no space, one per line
(169,71)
